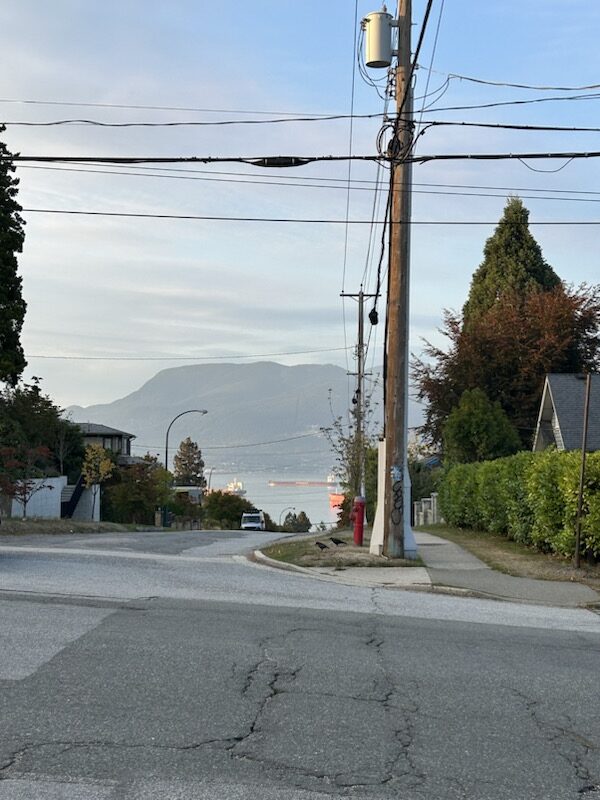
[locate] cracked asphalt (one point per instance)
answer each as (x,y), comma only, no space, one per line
(166,666)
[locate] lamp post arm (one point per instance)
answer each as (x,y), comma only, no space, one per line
(190,411)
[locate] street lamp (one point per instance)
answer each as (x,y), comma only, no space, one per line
(190,411)
(289,508)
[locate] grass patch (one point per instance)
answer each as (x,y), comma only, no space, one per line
(517,559)
(305,553)
(24,527)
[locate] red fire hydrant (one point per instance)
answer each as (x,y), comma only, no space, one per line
(358,517)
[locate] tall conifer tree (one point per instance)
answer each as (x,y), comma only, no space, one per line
(512,262)
(12,305)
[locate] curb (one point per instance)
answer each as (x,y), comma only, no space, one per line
(258,557)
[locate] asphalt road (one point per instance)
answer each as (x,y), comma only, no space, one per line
(168,666)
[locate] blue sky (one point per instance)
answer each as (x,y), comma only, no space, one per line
(110,287)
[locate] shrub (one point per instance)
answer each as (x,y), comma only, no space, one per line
(529,497)
(544,495)
(457,495)
(519,513)
(590,520)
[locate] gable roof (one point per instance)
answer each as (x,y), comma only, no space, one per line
(560,420)
(94,429)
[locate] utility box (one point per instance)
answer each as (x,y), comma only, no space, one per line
(378,39)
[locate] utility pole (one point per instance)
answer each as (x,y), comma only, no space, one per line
(586,412)
(358,400)
(397,505)
(392,533)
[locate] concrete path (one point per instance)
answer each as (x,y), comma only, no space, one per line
(451,565)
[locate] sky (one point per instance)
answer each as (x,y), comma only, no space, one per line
(112,300)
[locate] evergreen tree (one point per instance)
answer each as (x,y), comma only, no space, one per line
(519,323)
(513,262)
(188,465)
(12,305)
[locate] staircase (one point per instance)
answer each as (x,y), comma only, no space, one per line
(69,498)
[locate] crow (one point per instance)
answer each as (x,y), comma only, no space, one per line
(337,542)
(321,546)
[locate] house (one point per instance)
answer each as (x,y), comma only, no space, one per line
(111,439)
(560,421)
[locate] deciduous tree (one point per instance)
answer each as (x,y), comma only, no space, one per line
(96,469)
(138,491)
(22,473)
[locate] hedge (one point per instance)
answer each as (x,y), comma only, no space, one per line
(528,497)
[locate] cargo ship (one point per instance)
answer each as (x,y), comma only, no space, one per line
(330,481)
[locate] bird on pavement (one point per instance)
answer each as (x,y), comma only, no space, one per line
(337,542)
(321,546)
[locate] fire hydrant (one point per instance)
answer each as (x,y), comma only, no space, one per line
(358,517)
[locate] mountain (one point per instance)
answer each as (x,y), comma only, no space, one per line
(247,404)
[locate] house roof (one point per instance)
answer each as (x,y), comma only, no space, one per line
(563,399)
(94,429)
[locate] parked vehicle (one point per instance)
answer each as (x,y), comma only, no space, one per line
(253,520)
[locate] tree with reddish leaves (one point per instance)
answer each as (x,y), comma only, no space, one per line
(22,473)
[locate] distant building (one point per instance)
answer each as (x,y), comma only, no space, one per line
(111,439)
(560,421)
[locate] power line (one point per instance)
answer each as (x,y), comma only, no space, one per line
(296,161)
(282,162)
(186,123)
(193,109)
(246,444)
(513,126)
(260,444)
(206,217)
(528,86)
(301,180)
(299,220)
(186,358)
(348,188)
(513,103)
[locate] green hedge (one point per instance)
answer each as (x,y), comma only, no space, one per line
(528,497)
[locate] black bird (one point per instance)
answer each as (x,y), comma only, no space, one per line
(321,546)
(337,542)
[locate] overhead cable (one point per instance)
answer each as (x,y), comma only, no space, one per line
(185,358)
(187,123)
(294,220)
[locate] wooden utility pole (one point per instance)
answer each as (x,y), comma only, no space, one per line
(396,382)
(359,413)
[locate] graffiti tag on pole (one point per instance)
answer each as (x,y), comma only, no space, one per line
(397,494)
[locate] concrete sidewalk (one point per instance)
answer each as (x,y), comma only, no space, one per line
(448,567)
(448,564)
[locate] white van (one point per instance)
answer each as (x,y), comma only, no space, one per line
(253,520)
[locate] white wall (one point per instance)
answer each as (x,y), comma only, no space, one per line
(45,503)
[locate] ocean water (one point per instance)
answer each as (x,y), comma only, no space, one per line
(277,500)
